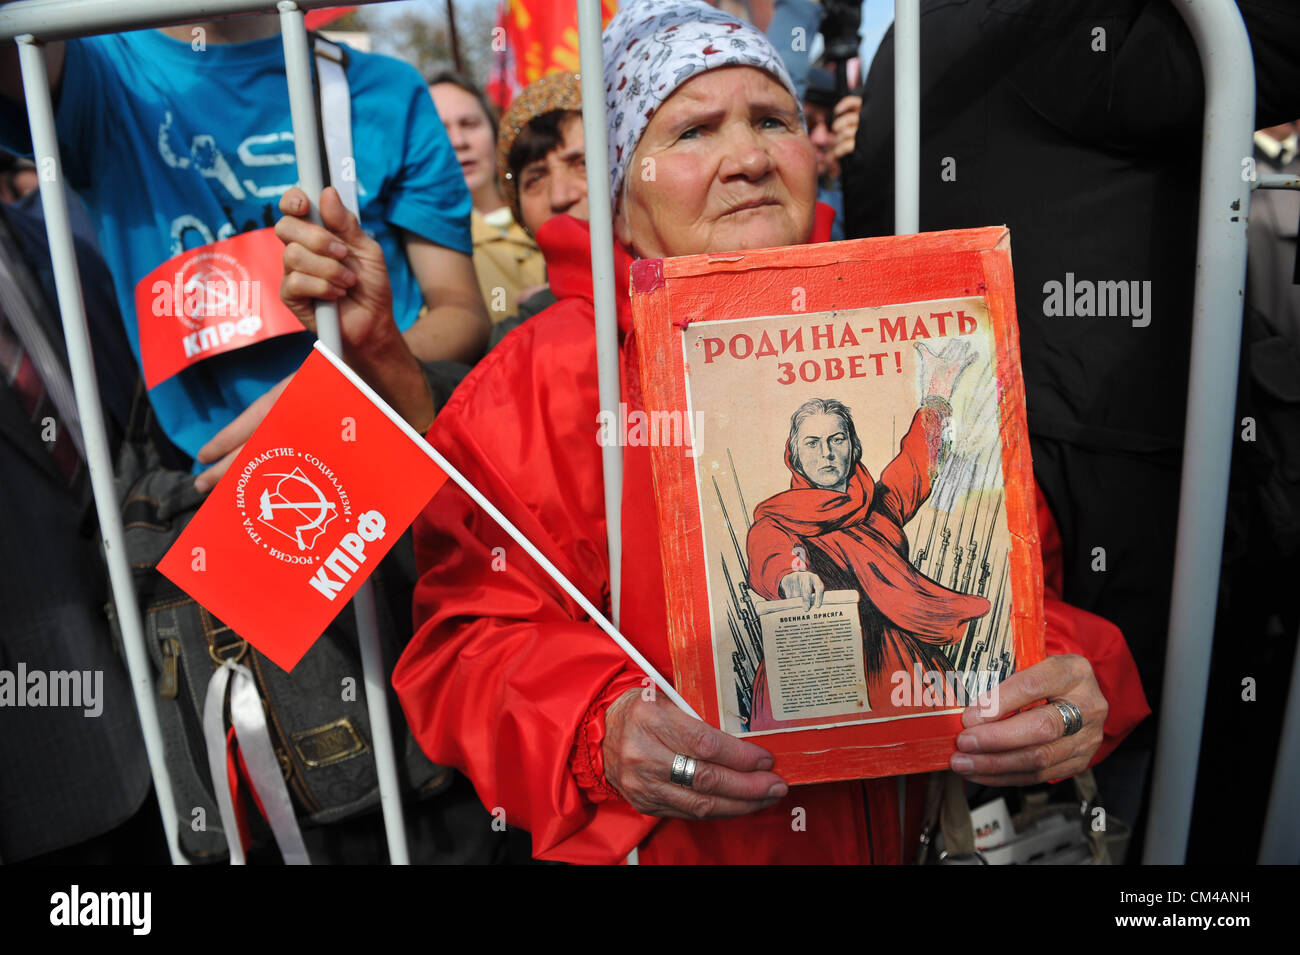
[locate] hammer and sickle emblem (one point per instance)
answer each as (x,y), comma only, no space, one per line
(314,515)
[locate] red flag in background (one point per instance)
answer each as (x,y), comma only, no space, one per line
(540,37)
(319,18)
(317,497)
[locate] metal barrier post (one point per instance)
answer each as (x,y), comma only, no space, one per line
(1229,75)
(306,138)
(59,19)
(591,57)
(907,117)
(907,169)
(99,460)
(600,212)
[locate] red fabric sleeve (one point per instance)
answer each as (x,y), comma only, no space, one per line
(771,552)
(906,479)
(588,760)
(501,676)
(1071,630)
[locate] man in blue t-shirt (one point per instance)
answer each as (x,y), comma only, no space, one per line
(181,137)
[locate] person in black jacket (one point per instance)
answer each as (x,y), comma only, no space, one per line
(1077,123)
(75,786)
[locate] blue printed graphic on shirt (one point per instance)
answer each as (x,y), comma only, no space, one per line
(175,145)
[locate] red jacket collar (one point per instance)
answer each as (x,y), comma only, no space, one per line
(566,244)
(823,219)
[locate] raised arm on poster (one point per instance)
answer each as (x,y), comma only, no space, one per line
(850,545)
(311,507)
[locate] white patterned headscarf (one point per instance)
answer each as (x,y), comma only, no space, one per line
(651,47)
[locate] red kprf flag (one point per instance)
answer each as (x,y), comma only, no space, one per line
(210,300)
(318,496)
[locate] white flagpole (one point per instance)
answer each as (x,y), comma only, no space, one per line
(99,460)
(302,105)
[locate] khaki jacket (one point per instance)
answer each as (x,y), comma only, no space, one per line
(505,264)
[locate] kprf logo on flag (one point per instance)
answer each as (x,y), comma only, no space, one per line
(210,300)
(318,496)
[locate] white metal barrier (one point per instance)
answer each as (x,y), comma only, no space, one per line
(1221,255)
(1229,119)
(32,22)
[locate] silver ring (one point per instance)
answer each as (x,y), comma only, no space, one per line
(1070,713)
(683,773)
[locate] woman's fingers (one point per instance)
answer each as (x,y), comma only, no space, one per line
(299,258)
(1003,747)
(232,436)
(1025,766)
(311,237)
(338,218)
(1064,770)
(1041,725)
(205,481)
(715,791)
(732,777)
(679,733)
(338,237)
(294,202)
(1053,677)
(805,585)
(299,291)
(1032,742)
(677,802)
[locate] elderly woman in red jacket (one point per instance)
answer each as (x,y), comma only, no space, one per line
(506,678)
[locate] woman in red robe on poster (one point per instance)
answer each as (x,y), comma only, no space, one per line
(837,528)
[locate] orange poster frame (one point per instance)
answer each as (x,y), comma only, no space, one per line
(671,296)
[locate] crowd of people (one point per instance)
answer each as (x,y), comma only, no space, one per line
(465,296)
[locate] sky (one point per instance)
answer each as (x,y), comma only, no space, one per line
(877,15)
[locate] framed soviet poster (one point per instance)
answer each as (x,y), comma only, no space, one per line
(849,541)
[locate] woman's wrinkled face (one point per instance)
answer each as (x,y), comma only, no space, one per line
(723,165)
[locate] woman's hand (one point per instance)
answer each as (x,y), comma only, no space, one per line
(999,749)
(221,451)
(805,585)
(941,369)
(337,263)
(340,263)
(732,777)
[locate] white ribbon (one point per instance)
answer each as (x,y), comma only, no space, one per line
(336,117)
(249,721)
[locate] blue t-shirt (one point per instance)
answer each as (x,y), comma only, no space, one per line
(172,148)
